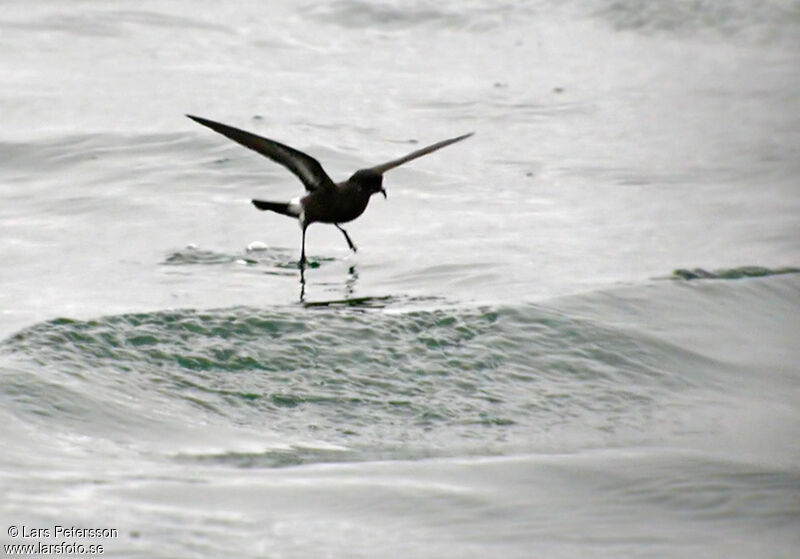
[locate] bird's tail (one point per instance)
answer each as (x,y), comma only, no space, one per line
(285,208)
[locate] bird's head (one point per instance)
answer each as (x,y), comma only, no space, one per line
(369,181)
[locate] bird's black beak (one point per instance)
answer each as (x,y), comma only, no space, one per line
(383,191)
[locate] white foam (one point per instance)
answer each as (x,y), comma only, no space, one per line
(256,246)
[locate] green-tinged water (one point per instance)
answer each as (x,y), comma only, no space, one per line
(416,383)
(355,417)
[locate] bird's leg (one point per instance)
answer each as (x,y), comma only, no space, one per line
(302,263)
(347,238)
(302,285)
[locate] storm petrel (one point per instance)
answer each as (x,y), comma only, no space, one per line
(326,201)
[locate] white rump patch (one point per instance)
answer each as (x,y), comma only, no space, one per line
(296,208)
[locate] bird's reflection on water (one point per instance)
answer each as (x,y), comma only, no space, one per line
(350,282)
(349,288)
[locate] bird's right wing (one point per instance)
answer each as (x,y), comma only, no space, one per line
(305,167)
(382,168)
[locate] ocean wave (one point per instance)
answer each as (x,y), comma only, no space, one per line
(106,23)
(487,377)
(740,17)
(400,15)
(766,20)
(732,273)
(56,153)
(281,259)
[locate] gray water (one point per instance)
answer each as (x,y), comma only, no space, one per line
(574,334)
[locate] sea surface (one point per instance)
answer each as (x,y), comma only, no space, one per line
(575,334)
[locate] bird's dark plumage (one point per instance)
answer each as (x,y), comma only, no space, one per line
(419,153)
(326,201)
(307,169)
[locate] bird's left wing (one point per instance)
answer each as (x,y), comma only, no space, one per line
(305,167)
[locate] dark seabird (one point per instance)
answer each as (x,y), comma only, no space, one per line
(326,201)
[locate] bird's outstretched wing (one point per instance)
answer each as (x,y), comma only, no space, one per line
(419,153)
(307,169)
